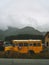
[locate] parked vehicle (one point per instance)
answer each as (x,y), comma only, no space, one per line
(27,46)
(7,47)
(1,45)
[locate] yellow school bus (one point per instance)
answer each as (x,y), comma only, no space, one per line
(27,46)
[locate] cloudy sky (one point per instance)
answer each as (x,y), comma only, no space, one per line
(21,13)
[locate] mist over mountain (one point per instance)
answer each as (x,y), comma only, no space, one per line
(19,14)
(23,17)
(12,31)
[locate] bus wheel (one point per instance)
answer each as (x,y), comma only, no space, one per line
(31,52)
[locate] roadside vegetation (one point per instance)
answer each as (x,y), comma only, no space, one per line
(43,55)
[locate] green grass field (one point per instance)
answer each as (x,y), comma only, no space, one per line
(44,55)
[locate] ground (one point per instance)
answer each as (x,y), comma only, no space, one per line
(43,55)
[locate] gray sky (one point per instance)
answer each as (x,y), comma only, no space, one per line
(21,13)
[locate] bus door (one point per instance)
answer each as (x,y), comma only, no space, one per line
(15,46)
(37,47)
(20,47)
(31,45)
(23,47)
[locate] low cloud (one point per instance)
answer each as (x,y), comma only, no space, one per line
(21,13)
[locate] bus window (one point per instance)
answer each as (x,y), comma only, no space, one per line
(30,44)
(14,45)
(38,44)
(25,44)
(20,44)
(34,44)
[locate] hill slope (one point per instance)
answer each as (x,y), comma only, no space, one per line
(15,31)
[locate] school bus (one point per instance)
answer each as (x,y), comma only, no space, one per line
(27,46)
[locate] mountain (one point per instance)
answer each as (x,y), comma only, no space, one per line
(29,30)
(15,31)
(44,33)
(11,31)
(25,30)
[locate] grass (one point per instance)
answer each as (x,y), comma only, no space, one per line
(15,55)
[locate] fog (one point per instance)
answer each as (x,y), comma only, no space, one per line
(21,13)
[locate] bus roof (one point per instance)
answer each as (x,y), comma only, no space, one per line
(26,40)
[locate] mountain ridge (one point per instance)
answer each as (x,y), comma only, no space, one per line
(15,31)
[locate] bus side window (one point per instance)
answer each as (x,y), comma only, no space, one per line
(25,44)
(15,45)
(30,44)
(20,44)
(38,44)
(34,44)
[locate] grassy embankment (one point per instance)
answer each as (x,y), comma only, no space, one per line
(44,55)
